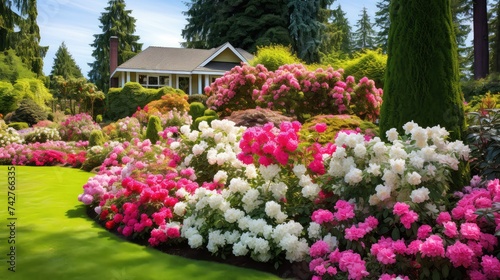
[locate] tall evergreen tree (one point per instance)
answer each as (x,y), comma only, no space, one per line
(9,19)
(383,23)
(341,23)
(115,21)
(422,76)
(244,24)
(494,30)
(64,64)
(305,29)
(462,17)
(365,35)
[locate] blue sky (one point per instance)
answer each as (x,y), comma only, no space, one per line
(158,23)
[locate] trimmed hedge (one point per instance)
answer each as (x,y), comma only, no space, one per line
(123,102)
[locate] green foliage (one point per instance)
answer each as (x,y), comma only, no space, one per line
(334,124)
(171,99)
(12,67)
(364,36)
(154,126)
(42,135)
(8,100)
(305,29)
(368,63)
(64,64)
(18,125)
(210,112)
(196,110)
(197,98)
(274,56)
(483,140)
(116,20)
(483,102)
(473,88)
(96,138)
(98,119)
(123,102)
(422,77)
(95,157)
(29,112)
(33,89)
(207,118)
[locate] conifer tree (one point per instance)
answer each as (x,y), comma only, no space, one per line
(341,23)
(422,76)
(115,21)
(305,29)
(64,64)
(383,22)
(365,35)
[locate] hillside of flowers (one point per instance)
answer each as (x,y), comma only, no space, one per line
(353,207)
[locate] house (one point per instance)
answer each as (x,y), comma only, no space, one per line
(190,70)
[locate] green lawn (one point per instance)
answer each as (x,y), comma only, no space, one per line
(56,240)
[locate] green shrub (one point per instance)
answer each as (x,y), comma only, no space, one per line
(210,112)
(154,126)
(274,56)
(96,138)
(98,119)
(12,67)
(208,119)
(8,99)
(196,110)
(483,101)
(368,63)
(50,117)
(473,88)
(197,98)
(18,125)
(123,102)
(35,90)
(484,143)
(42,135)
(29,112)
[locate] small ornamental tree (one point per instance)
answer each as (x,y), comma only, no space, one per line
(154,126)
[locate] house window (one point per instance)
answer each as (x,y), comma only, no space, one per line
(154,81)
(184,83)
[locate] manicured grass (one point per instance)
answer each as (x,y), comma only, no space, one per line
(56,240)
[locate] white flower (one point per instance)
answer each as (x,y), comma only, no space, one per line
(431,208)
(383,192)
(335,168)
(198,149)
(429,153)
(353,139)
(354,176)
(232,215)
(251,171)
(269,172)
(414,178)
(420,136)
(392,134)
(251,200)
(409,126)
(360,150)
(374,169)
(416,160)
(238,185)
(272,209)
(331,240)
(299,170)
(339,153)
(187,159)
(257,226)
(373,200)
(419,195)
(180,208)
(314,231)
(175,145)
(215,201)
(239,249)
(195,241)
(397,165)
(311,191)
(278,190)
(232,236)
(397,152)
(220,176)
(185,129)
(380,149)
(243,222)
(390,178)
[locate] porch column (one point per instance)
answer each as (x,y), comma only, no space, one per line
(122,76)
(207,80)
(199,84)
(128,76)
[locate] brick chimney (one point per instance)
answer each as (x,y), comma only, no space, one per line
(113,60)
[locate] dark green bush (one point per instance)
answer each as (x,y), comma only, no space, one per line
(29,112)
(8,99)
(198,98)
(480,87)
(123,102)
(96,138)
(196,110)
(484,143)
(18,125)
(154,126)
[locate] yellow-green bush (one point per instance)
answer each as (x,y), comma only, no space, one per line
(481,102)
(369,63)
(123,102)
(274,56)
(26,88)
(154,126)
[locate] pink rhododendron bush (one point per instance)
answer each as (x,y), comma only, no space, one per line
(294,90)
(354,208)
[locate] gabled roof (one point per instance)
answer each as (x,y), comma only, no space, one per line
(182,60)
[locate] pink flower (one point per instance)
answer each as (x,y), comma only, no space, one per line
(450,229)
(321,216)
(443,217)
(470,231)
(424,231)
(354,233)
(344,209)
(460,254)
(319,248)
(409,218)
(491,267)
(386,256)
(414,247)
(477,275)
(400,208)
(320,127)
(432,247)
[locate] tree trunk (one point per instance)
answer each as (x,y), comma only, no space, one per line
(481,55)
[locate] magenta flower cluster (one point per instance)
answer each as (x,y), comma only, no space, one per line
(45,154)
(77,127)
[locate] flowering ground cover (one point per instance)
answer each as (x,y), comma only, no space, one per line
(55,239)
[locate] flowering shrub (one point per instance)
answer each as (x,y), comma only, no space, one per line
(9,136)
(170,118)
(124,129)
(46,154)
(42,135)
(237,89)
(77,127)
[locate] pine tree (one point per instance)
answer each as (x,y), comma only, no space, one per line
(9,19)
(65,65)
(422,76)
(305,29)
(494,38)
(341,23)
(115,21)
(364,35)
(462,17)
(383,23)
